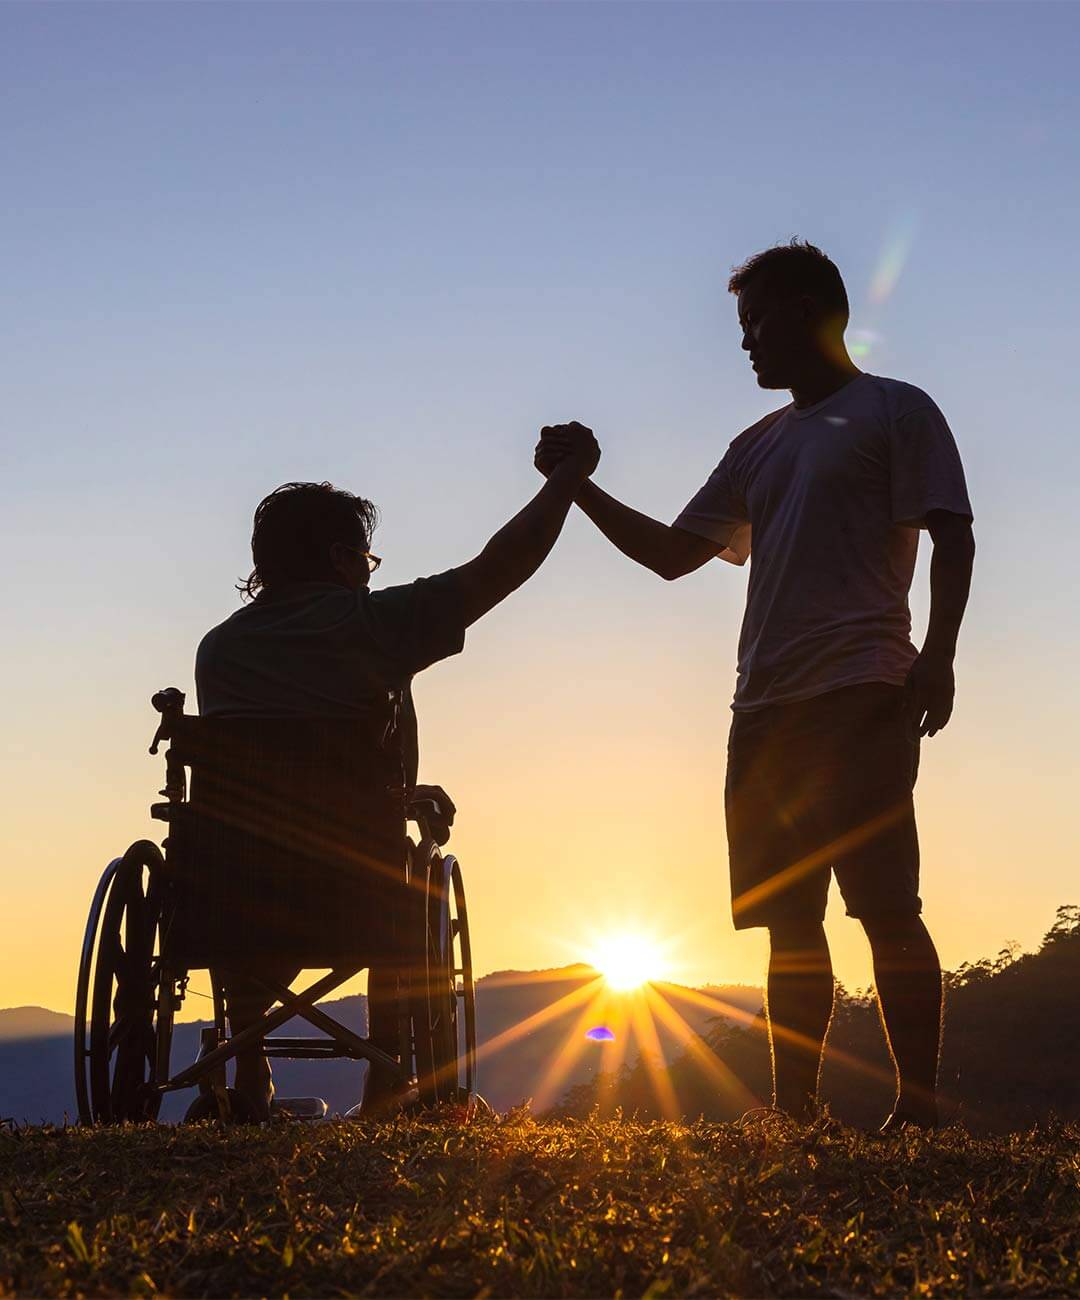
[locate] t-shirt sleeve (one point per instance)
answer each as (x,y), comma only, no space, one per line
(925,468)
(717,511)
(421,622)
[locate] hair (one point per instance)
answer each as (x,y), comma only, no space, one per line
(296,525)
(797,268)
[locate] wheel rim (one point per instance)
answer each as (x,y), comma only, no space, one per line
(441,1002)
(446,1052)
(126,1015)
(465,987)
(82,992)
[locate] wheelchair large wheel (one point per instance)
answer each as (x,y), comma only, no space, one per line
(444,1018)
(123,1003)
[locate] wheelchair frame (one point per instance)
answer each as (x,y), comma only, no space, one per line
(128,990)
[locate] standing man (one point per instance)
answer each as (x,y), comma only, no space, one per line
(828,494)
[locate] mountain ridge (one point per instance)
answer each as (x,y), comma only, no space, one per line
(522,1029)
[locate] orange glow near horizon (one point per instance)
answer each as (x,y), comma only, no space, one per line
(628,959)
(634,1018)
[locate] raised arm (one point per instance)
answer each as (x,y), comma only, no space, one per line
(931,683)
(668,551)
(520,547)
(671,552)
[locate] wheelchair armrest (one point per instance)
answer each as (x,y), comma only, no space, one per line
(417,808)
(432,819)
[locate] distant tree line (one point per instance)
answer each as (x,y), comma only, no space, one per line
(1010,1050)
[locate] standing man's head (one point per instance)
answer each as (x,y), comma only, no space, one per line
(311,532)
(793,310)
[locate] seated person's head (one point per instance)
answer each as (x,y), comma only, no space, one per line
(311,532)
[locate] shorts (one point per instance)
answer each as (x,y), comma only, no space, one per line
(818,786)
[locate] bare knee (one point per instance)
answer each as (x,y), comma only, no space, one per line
(900,941)
(895,931)
(798,948)
(797,934)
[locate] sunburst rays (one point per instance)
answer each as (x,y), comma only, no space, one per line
(743,1017)
(647,1024)
(652,1056)
(635,1019)
(727,1082)
(560,1007)
(574,1046)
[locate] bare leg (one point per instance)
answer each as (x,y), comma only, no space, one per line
(253,1081)
(908,977)
(800,999)
(245,1002)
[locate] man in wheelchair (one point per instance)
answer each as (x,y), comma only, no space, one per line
(316,642)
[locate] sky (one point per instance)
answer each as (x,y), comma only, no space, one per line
(384,244)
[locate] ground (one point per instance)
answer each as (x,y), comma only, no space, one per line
(514,1207)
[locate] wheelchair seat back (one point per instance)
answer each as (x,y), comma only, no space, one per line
(291,847)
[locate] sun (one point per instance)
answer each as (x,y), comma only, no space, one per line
(628,960)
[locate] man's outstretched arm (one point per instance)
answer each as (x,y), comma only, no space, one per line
(671,552)
(668,551)
(931,682)
(519,548)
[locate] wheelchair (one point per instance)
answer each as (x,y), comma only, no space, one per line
(289,840)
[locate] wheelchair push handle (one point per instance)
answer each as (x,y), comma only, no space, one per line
(170,700)
(170,704)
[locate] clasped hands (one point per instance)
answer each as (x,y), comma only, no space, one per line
(573,443)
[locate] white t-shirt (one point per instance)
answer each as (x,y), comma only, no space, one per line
(833,496)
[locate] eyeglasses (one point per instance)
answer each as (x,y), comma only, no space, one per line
(373,561)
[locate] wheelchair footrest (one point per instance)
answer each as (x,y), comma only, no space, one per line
(307,1108)
(307,1048)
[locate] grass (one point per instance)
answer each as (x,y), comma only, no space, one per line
(514,1207)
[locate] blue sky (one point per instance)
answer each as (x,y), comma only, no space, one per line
(383,244)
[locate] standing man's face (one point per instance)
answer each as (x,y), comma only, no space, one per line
(777,332)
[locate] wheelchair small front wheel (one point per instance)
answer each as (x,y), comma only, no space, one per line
(123,1011)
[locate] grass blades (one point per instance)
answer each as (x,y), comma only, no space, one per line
(516,1207)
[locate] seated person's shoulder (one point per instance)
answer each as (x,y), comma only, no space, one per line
(417,623)
(297,608)
(213,641)
(291,650)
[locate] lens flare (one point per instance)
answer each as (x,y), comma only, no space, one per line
(863,343)
(898,244)
(600,1034)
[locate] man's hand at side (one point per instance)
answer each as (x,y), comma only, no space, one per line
(929,692)
(931,684)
